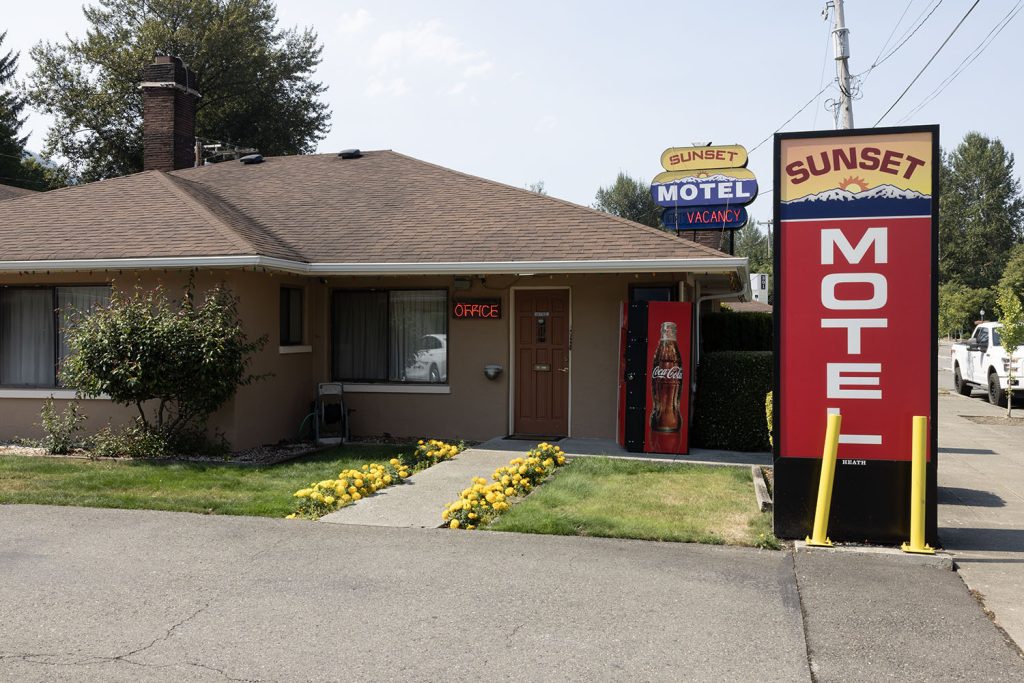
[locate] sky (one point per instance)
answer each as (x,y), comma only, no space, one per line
(571,93)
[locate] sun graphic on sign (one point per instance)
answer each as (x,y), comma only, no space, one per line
(857,183)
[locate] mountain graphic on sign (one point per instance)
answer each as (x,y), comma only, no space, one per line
(884,200)
(718,177)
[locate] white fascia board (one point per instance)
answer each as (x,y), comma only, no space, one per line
(672,265)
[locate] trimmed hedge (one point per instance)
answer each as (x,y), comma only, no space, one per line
(746,331)
(729,408)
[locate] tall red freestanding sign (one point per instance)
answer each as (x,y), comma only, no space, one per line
(856,215)
(656,377)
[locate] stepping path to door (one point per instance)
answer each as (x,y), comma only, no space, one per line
(421,500)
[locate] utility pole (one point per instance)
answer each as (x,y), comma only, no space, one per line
(841,46)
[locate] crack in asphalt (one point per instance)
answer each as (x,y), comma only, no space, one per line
(69,659)
(803,615)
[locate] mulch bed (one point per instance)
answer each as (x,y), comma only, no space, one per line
(259,456)
(1000,421)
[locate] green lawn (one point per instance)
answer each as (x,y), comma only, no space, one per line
(645,500)
(154,485)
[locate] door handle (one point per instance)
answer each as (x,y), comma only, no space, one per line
(563,369)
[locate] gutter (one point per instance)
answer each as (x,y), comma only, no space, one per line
(705,265)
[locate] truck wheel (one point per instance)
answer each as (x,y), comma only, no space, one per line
(996,395)
(962,387)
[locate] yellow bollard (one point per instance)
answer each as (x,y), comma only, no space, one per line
(918,473)
(828,471)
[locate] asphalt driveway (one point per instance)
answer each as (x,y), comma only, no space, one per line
(120,595)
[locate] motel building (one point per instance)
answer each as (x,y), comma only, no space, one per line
(443,304)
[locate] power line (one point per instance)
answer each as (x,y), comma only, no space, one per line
(907,89)
(968,60)
(798,112)
(824,63)
(909,34)
(892,33)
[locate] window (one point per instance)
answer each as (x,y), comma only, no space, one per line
(291,316)
(33,330)
(390,336)
(652,293)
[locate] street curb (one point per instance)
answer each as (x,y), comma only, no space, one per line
(939,559)
(764,500)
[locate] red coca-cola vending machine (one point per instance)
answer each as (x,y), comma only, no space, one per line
(654,393)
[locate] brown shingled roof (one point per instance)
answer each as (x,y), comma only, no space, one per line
(387,207)
(381,208)
(11,192)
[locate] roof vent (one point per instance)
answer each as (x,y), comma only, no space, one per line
(350,154)
(252,159)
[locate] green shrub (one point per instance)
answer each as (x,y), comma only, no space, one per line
(60,428)
(132,441)
(729,412)
(176,362)
(138,441)
(728,331)
(769,406)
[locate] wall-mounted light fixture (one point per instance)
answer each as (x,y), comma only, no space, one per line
(492,371)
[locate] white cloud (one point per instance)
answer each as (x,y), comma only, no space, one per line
(480,69)
(354,22)
(395,87)
(545,123)
(430,51)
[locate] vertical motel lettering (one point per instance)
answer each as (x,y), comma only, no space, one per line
(856,380)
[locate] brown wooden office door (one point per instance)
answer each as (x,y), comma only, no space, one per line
(542,362)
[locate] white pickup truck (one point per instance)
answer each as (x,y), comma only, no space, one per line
(981,361)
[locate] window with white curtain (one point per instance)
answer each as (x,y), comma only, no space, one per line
(390,336)
(34,322)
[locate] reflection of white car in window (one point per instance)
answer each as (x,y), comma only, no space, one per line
(430,360)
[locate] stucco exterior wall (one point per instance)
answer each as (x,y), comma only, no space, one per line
(474,408)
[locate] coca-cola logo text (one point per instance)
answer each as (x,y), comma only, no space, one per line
(674,372)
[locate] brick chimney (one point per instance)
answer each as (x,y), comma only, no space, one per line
(168,115)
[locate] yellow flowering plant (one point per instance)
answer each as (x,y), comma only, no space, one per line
(326,496)
(479,504)
(430,452)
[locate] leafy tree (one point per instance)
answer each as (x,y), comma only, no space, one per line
(981,213)
(255,80)
(1011,334)
(629,198)
(1013,274)
(754,244)
(175,362)
(959,307)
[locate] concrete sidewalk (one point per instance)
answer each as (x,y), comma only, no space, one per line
(608,447)
(420,501)
(126,595)
(981,501)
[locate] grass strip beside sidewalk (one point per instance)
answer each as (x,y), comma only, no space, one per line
(184,487)
(644,500)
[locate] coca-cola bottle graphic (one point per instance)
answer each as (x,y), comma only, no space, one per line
(666,391)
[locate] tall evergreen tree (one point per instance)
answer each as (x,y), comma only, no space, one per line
(255,80)
(754,244)
(981,212)
(12,142)
(629,198)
